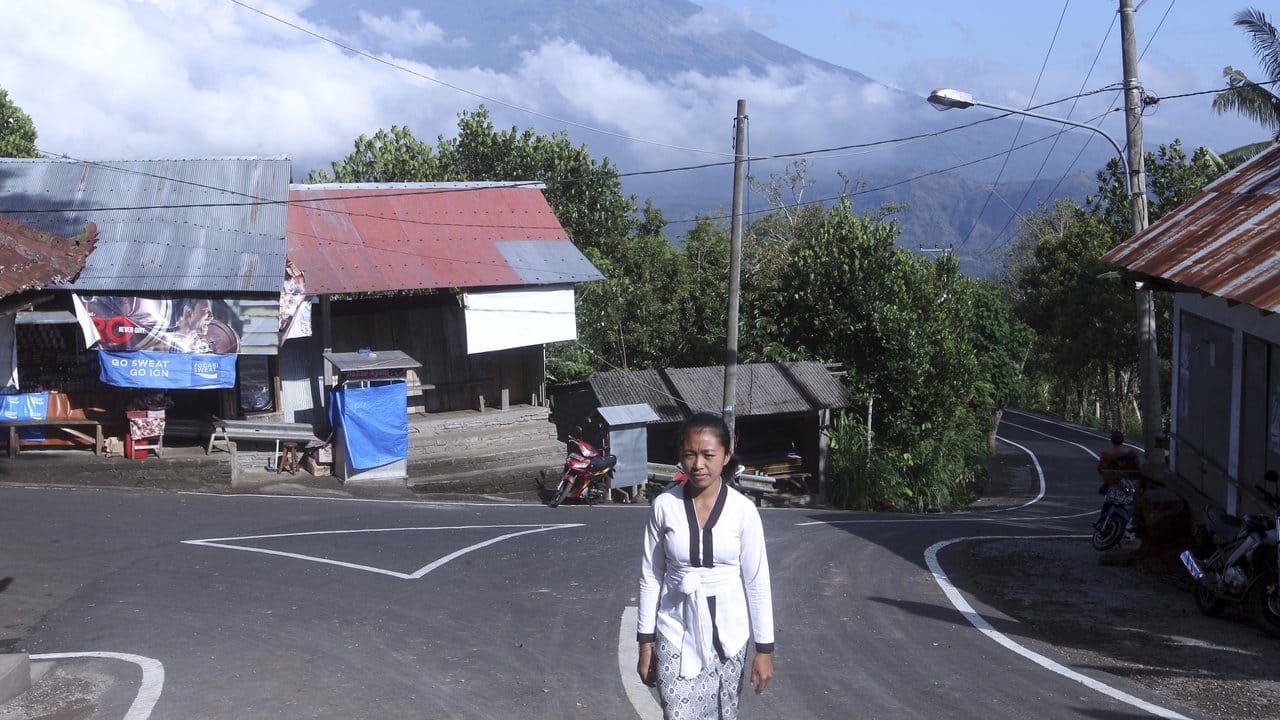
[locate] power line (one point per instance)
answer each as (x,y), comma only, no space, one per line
(1022,120)
(1085,145)
(1062,131)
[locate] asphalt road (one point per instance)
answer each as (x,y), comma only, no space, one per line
(236,606)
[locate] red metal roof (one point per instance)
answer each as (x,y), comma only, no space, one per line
(31,259)
(376,237)
(1224,242)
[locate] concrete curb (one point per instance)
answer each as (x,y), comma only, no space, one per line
(15,675)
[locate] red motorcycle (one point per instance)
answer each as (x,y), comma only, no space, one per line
(586,472)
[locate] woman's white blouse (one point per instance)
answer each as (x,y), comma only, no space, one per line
(705,589)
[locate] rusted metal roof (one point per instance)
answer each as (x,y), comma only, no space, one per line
(1224,242)
(31,259)
(762,389)
(350,238)
(207,225)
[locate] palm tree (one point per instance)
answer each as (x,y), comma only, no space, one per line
(1246,97)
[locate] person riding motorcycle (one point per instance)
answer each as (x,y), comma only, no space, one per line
(1118,462)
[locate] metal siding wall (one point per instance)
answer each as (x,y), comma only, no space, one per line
(261,333)
(1205,379)
(631,446)
(302,382)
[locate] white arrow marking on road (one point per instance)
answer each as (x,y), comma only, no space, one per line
(148,691)
(416,575)
(637,692)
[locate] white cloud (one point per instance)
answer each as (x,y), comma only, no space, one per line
(135,80)
(407,32)
(717,18)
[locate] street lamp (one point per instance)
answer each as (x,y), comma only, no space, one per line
(948,99)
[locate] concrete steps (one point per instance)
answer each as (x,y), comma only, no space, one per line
(18,674)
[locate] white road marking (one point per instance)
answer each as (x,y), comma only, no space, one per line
(424,503)
(416,575)
(148,690)
(637,692)
(1091,453)
(979,622)
(1069,426)
(953,517)
(495,503)
(1039,475)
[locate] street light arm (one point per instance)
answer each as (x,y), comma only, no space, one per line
(947,99)
(1064,121)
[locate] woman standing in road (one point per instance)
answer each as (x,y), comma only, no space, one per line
(704,585)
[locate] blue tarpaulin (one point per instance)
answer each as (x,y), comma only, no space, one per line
(374,422)
(169,371)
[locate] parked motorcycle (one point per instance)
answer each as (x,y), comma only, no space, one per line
(1116,517)
(586,471)
(1242,567)
(735,479)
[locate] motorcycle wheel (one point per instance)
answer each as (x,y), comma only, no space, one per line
(1208,603)
(1108,533)
(1264,603)
(562,491)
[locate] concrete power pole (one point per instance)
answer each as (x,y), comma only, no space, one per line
(1148,354)
(735,268)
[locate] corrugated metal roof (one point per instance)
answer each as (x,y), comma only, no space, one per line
(1224,242)
(378,237)
(208,225)
(31,259)
(762,389)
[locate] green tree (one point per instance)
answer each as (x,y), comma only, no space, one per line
(925,357)
(1246,97)
(1084,361)
(17,132)
(393,155)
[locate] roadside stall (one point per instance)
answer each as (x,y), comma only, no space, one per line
(369,411)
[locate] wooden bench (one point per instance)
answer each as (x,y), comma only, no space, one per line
(265,430)
(66,425)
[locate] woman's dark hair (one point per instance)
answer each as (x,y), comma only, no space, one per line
(1117,437)
(705,421)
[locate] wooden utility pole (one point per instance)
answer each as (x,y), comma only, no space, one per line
(1148,353)
(735,267)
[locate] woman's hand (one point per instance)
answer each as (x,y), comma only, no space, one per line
(761,671)
(647,666)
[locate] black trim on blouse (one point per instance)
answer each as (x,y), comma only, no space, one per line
(691,516)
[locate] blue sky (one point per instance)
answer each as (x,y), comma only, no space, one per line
(996,49)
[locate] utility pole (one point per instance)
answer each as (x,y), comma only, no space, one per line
(735,267)
(1148,354)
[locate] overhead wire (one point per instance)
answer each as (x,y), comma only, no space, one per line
(996,246)
(1062,131)
(977,220)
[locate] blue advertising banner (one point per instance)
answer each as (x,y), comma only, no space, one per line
(26,406)
(168,371)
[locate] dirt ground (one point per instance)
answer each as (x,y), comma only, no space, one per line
(1137,620)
